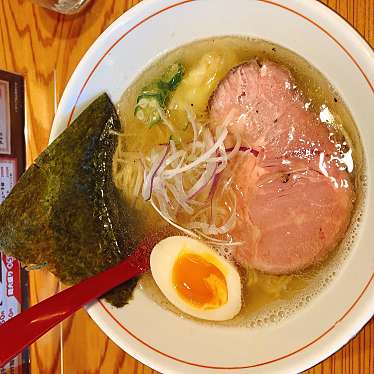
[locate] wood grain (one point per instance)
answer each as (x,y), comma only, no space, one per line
(46,47)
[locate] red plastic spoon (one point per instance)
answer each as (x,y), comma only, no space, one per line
(25,328)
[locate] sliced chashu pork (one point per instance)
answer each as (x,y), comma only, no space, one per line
(295,203)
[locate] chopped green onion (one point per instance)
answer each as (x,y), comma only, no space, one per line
(153,97)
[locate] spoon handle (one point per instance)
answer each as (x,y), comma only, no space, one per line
(25,328)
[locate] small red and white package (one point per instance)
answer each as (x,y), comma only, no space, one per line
(13,279)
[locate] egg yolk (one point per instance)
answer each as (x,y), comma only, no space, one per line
(199,282)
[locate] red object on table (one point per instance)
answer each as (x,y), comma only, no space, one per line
(25,328)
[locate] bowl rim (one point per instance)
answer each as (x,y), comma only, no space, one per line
(142,7)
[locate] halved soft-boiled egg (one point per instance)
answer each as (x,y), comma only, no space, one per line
(196,279)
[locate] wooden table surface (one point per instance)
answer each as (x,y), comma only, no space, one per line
(45,48)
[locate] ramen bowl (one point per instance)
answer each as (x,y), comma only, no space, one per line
(162,339)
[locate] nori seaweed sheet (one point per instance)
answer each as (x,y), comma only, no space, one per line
(65,209)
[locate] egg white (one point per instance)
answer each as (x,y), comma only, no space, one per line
(163,257)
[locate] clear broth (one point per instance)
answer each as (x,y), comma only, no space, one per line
(261,303)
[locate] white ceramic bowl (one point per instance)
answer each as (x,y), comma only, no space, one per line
(160,339)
